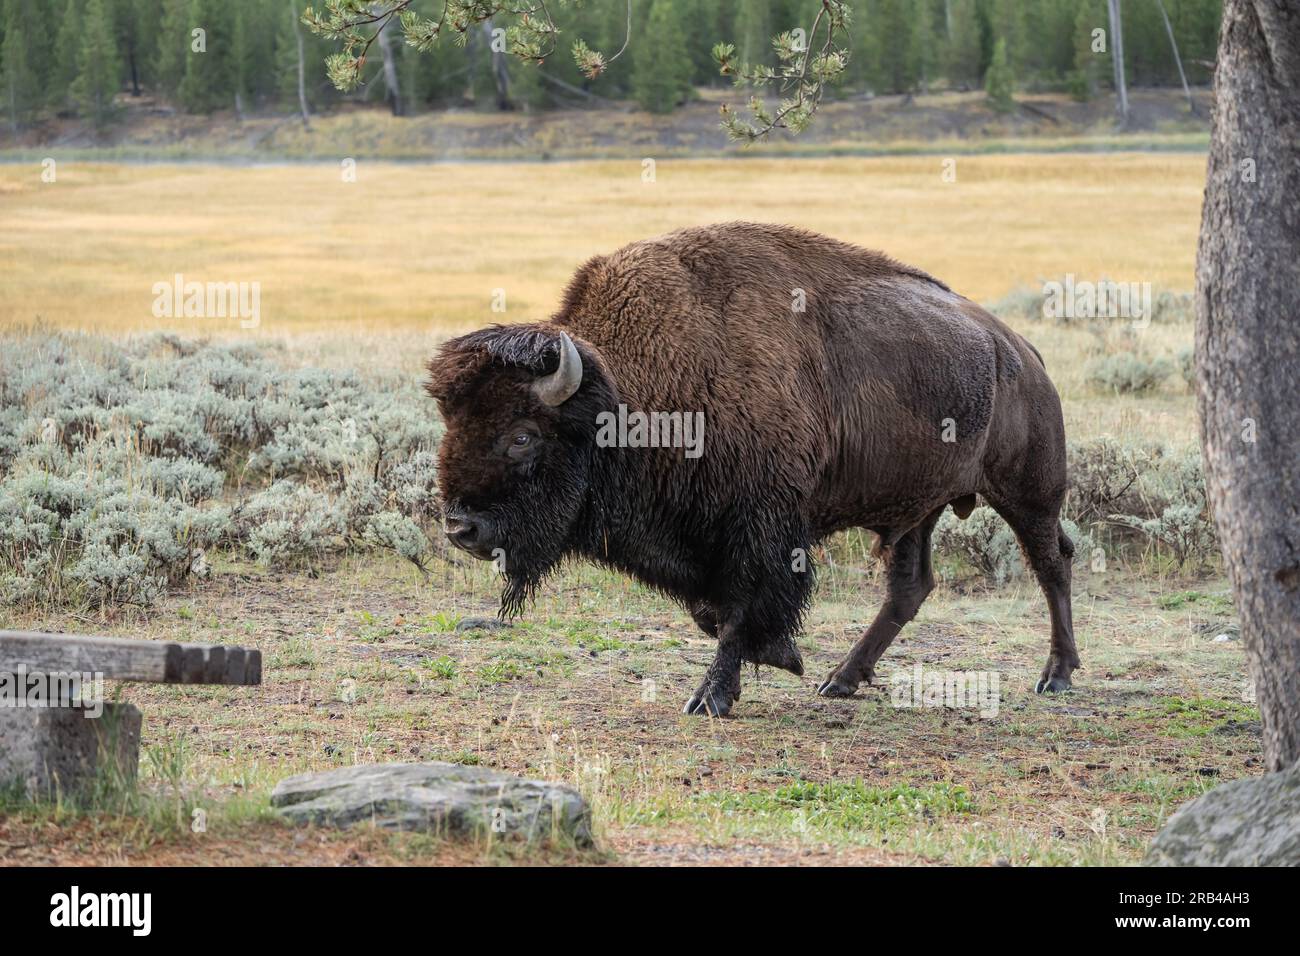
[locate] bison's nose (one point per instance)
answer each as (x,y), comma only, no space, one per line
(465,532)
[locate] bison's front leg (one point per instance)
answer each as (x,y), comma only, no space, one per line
(721,686)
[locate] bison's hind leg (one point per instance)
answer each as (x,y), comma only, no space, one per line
(909,579)
(1049,551)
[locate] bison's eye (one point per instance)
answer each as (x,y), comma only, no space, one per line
(521,445)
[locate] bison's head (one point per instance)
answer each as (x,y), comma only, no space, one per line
(520,405)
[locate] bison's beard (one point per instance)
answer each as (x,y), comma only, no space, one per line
(518,593)
(532,555)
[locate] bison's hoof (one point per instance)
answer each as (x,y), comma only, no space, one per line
(1052,685)
(710,701)
(837,686)
(1055,676)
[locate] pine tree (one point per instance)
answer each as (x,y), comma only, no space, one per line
(260,20)
(999,81)
(241,56)
(661,66)
(67,50)
(1010,22)
(925,43)
(209,73)
(18,81)
(894,46)
(173,46)
(753,32)
(1087,64)
(148,18)
(962,59)
(98,70)
(123,16)
(702,29)
(864,52)
(898,65)
(286,57)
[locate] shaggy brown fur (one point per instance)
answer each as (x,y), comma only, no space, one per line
(885,399)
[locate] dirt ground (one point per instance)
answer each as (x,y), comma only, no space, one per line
(364,663)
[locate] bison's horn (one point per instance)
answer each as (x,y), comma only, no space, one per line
(558,387)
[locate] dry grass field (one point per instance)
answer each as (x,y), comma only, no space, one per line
(422,247)
(383,267)
(373,273)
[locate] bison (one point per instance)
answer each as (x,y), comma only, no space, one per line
(839,389)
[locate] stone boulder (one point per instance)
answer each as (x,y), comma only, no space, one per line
(446,799)
(466,624)
(1254,822)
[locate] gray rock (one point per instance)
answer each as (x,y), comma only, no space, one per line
(54,751)
(446,799)
(481,624)
(1254,822)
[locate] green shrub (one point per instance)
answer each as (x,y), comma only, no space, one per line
(988,544)
(1105,477)
(1173,307)
(1126,373)
(1031,303)
(999,81)
(1187,366)
(1184,529)
(121,464)
(1149,489)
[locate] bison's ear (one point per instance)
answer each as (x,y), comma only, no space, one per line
(452,371)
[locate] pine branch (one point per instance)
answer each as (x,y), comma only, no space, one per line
(800,78)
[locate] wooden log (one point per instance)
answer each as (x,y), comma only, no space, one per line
(235,666)
(215,671)
(117,658)
(193,663)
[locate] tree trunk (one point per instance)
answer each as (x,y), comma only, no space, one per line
(385,40)
(471,63)
(1117,57)
(500,73)
(302,83)
(1248,347)
(135,72)
(1178,60)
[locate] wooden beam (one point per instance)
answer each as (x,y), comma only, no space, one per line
(117,658)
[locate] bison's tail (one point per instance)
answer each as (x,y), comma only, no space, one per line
(1064,543)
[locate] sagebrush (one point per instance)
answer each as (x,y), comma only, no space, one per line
(122,464)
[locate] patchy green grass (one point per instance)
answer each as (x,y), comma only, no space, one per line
(842,806)
(1202,716)
(1214,603)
